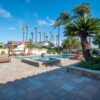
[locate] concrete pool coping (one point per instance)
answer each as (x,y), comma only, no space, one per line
(41,63)
(29,56)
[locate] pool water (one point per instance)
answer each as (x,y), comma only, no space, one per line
(61,56)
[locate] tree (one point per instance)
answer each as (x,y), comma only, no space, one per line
(84,29)
(82,11)
(96,40)
(44,36)
(26,27)
(71,41)
(32,35)
(30,45)
(83,25)
(36,34)
(40,36)
(61,20)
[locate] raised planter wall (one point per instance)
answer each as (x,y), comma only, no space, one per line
(82,71)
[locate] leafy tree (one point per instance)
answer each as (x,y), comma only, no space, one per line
(71,41)
(97,40)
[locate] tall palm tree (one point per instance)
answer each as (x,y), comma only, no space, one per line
(81,24)
(32,35)
(35,34)
(23,33)
(52,39)
(82,11)
(84,29)
(57,40)
(51,36)
(44,36)
(40,36)
(26,33)
(63,19)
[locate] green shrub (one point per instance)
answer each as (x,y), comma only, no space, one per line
(93,64)
(3,52)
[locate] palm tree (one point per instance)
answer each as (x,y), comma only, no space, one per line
(51,37)
(44,36)
(32,35)
(63,19)
(81,24)
(84,29)
(26,33)
(35,34)
(57,40)
(82,11)
(30,46)
(40,36)
(23,33)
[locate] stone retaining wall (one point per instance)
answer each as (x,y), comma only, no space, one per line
(82,71)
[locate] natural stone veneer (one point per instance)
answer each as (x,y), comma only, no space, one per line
(83,71)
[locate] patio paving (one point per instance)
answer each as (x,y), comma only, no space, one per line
(20,81)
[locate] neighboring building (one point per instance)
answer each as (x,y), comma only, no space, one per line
(44,43)
(2,44)
(18,48)
(3,48)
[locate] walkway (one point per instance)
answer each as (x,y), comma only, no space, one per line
(19,81)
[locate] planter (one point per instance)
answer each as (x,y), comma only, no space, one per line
(83,71)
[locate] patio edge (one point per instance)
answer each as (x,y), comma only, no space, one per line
(85,72)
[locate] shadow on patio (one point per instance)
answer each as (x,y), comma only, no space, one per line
(52,85)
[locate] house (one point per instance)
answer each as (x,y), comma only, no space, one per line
(2,44)
(21,48)
(40,44)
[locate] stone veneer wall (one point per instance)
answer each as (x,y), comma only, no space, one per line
(82,71)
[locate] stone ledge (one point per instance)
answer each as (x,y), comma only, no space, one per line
(83,71)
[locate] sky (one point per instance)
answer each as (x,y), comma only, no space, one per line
(14,14)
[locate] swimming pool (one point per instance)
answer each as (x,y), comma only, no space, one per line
(59,56)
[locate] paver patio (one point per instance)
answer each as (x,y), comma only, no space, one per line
(19,81)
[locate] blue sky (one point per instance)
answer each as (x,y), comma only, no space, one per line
(40,13)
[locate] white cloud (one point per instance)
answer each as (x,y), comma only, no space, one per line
(46,21)
(4,13)
(11,28)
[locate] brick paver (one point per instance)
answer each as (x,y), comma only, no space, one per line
(19,81)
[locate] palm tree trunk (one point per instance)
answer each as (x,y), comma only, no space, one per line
(99,46)
(26,33)
(85,49)
(23,33)
(36,34)
(58,37)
